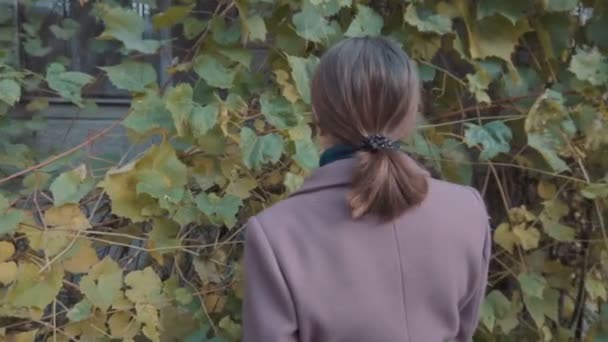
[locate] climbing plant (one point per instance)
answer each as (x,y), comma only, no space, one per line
(515,104)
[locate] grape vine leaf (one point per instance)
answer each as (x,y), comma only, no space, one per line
(66,30)
(81,311)
(9,218)
(102,284)
(67,83)
(560,5)
(512,10)
(144,287)
(171,16)
(278,111)
(223,208)
(80,258)
(10,91)
(131,75)
(494,137)
(126,26)
(33,288)
(366,23)
(148,112)
(426,21)
(302,70)
(213,71)
(259,150)
(495,306)
(311,25)
(71,186)
(590,65)
(255,28)
(495,37)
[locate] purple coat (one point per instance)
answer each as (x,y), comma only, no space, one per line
(313,274)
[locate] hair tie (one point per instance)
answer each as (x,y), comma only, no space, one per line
(376,142)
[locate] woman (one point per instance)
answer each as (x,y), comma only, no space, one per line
(371,248)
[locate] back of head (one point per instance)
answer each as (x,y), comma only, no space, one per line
(365,87)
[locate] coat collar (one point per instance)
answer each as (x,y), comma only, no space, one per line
(339,174)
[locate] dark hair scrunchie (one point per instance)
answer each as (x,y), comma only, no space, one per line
(376,142)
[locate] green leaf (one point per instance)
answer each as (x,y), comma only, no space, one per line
(596,190)
(302,70)
(171,16)
(256,28)
(67,30)
(67,83)
(278,111)
(560,5)
(495,37)
(148,112)
(293,182)
(145,287)
(311,25)
(307,153)
(214,72)
(555,32)
(494,137)
(239,55)
(478,85)
(81,311)
(426,21)
(596,288)
(495,306)
(131,75)
(34,288)
(33,47)
(126,26)
(456,163)
(9,218)
(71,186)
(512,10)
(193,27)
(366,23)
(259,150)
(547,305)
(596,29)
(10,91)
(165,179)
(102,284)
(224,35)
(427,73)
(330,7)
(547,125)
(179,103)
(532,284)
(203,119)
(590,65)
(224,208)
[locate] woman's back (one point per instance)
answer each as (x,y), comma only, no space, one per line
(371,248)
(418,278)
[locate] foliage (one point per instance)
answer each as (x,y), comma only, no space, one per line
(515,104)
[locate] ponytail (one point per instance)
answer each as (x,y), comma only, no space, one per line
(386,183)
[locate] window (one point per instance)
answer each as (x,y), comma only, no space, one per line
(65,31)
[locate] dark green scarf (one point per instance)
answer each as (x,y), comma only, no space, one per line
(337,152)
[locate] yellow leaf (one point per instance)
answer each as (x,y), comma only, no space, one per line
(288,90)
(68,217)
(528,237)
(82,259)
(123,325)
(91,329)
(505,238)
(8,272)
(27,336)
(7,249)
(546,190)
